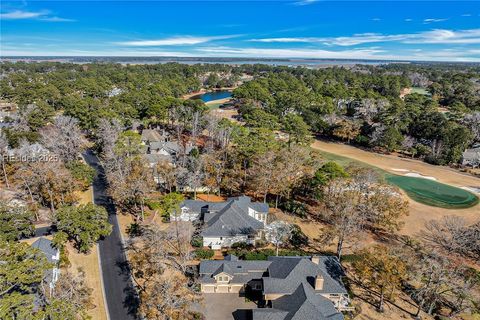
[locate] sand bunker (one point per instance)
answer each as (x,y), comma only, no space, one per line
(418,175)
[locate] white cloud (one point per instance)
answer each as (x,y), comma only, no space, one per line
(15,51)
(436,36)
(57,19)
(39,15)
(173,41)
(432,20)
(18,14)
(288,53)
(372,54)
(286,40)
(408,20)
(466,15)
(338,41)
(305,2)
(443,36)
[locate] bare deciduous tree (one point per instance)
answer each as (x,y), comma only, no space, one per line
(278,232)
(159,263)
(453,235)
(3,156)
(64,138)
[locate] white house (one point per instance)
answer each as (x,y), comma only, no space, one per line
(53,256)
(235,220)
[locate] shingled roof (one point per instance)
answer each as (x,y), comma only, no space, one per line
(287,273)
(151,135)
(231,220)
(242,271)
(303,303)
(46,246)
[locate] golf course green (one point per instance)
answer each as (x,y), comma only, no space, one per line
(433,193)
(422,190)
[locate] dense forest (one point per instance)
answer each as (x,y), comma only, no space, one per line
(62,109)
(369,107)
(364,105)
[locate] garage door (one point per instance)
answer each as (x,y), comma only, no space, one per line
(222,289)
(235,288)
(208,289)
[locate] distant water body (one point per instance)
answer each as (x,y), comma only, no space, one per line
(289,63)
(214,95)
(233,61)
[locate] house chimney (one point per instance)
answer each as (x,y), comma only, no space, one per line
(319,280)
(316,259)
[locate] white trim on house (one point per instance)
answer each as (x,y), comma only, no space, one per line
(185,215)
(217,243)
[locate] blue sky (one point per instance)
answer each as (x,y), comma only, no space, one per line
(406,30)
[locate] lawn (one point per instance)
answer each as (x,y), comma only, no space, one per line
(420,91)
(422,190)
(434,193)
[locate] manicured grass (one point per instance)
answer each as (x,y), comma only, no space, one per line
(422,190)
(434,193)
(420,91)
(212,106)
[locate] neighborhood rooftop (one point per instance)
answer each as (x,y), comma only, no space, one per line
(46,246)
(296,287)
(233,219)
(301,304)
(236,220)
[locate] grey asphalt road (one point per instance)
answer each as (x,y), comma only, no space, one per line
(120,294)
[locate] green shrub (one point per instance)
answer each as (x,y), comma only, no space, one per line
(261,243)
(259,255)
(134,230)
(153,205)
(204,253)
(294,207)
(292,253)
(241,245)
(81,172)
(197,241)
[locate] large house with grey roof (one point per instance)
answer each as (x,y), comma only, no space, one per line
(291,287)
(53,256)
(158,146)
(471,157)
(224,223)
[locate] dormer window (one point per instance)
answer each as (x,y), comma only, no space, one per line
(223,279)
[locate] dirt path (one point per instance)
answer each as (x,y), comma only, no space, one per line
(419,213)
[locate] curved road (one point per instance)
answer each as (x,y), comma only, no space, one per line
(120,294)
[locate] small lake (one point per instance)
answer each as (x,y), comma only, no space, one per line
(214,95)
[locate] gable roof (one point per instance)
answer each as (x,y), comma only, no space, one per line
(242,201)
(151,135)
(287,273)
(304,303)
(232,220)
(241,271)
(46,246)
(471,154)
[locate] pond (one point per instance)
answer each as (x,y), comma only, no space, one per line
(214,95)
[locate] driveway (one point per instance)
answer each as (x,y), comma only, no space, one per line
(226,306)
